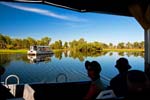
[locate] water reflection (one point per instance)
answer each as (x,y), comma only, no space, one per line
(78,55)
(5,59)
(135,54)
(58,54)
(64,66)
(83,55)
(39,58)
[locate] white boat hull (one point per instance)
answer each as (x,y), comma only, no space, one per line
(39,52)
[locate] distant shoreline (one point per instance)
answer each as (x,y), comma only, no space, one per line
(13,51)
(2,51)
(124,50)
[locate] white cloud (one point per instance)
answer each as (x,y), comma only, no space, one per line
(43,12)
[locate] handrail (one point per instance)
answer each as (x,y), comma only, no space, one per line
(10,77)
(61,74)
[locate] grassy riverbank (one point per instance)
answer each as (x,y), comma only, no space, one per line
(112,50)
(23,51)
(13,51)
(124,50)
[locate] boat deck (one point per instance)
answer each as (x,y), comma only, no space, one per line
(55,91)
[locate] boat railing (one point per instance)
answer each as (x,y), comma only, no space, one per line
(60,77)
(10,76)
(12,87)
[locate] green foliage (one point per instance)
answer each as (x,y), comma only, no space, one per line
(45,41)
(57,45)
(81,45)
(66,45)
(15,43)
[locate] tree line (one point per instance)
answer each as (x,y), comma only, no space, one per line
(84,46)
(6,42)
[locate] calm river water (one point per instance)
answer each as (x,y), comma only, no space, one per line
(63,66)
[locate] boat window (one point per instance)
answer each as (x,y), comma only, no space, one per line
(35,48)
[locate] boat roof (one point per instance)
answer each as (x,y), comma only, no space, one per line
(39,46)
(115,7)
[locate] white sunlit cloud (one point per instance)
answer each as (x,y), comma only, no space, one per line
(44,12)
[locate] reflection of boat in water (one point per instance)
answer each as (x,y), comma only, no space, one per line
(39,58)
(38,50)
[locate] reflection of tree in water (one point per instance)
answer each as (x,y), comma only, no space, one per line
(66,53)
(128,54)
(5,59)
(78,54)
(19,57)
(22,57)
(82,55)
(96,53)
(121,53)
(110,54)
(135,54)
(75,54)
(141,54)
(58,54)
(25,59)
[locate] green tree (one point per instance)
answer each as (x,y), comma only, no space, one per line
(136,45)
(128,45)
(31,41)
(26,43)
(45,41)
(57,45)
(110,45)
(2,42)
(17,43)
(65,45)
(73,44)
(121,45)
(142,45)
(8,39)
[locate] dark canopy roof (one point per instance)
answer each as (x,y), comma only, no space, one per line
(116,7)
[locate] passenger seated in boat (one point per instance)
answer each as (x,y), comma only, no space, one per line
(138,85)
(93,70)
(118,84)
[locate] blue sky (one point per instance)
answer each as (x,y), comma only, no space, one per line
(22,20)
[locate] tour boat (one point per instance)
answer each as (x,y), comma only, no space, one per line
(39,50)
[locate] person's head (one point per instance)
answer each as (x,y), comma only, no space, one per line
(93,68)
(122,65)
(137,82)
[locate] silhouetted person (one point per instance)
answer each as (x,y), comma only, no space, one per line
(93,69)
(4,92)
(138,85)
(119,83)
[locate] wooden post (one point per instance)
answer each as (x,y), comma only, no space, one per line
(147,52)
